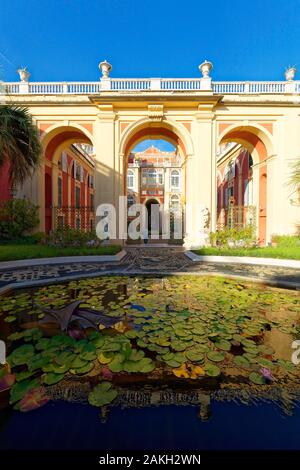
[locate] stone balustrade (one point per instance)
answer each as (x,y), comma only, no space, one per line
(149,85)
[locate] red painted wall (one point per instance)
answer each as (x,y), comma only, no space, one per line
(5,192)
(48,198)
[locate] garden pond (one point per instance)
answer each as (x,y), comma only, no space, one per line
(150,362)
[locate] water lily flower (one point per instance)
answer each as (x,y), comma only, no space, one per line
(266,373)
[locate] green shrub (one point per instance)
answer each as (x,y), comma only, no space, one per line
(17,217)
(69,237)
(286,241)
(233,236)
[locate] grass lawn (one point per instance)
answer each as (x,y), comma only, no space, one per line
(284,252)
(17,251)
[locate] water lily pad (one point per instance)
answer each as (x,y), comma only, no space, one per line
(111,345)
(20,355)
(52,378)
(64,358)
(287,365)
(89,352)
(257,378)
(179,346)
(136,355)
(105,357)
(62,341)
(85,369)
(43,344)
(194,356)
(141,343)
(20,389)
(223,344)
(241,361)
(10,318)
(266,349)
(33,399)
(265,362)
(215,356)
(116,365)
(212,370)
(102,394)
(37,362)
(132,334)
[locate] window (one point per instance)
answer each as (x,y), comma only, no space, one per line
(59,192)
(78,172)
(250,161)
(160,179)
(175,179)
(130,179)
(77,196)
(246,193)
(144,178)
(229,194)
(152,175)
(64,162)
(91,181)
(174,202)
(92,201)
(92,226)
(230,171)
(78,223)
(81,174)
(130,200)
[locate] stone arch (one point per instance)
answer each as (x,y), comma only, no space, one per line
(258,141)
(255,138)
(54,140)
(168,129)
(72,130)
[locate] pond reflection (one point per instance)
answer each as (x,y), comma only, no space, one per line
(123,342)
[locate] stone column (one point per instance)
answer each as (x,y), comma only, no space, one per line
(255,188)
(108,179)
(191,198)
(201,178)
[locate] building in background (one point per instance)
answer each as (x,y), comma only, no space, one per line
(156,177)
(235,203)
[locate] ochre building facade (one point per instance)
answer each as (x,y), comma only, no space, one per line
(200,117)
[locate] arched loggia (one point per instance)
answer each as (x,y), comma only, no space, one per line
(55,140)
(258,142)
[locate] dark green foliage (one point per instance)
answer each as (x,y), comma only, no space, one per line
(20,143)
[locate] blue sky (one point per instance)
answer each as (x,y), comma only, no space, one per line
(159,143)
(66,39)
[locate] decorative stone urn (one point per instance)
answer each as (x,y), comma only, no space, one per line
(24,74)
(105,67)
(205,68)
(290,73)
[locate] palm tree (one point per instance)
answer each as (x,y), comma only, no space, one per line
(295,176)
(20,144)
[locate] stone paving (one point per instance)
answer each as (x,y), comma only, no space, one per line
(148,260)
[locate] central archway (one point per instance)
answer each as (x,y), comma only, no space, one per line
(155,174)
(151,204)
